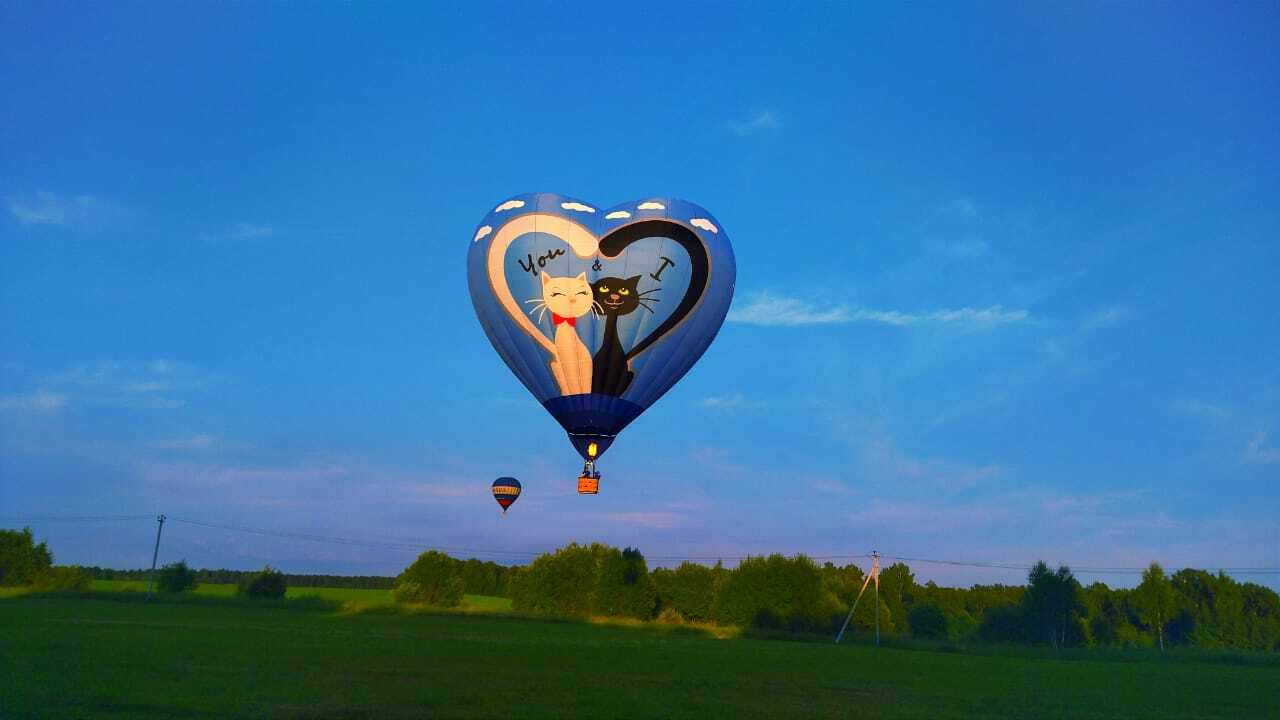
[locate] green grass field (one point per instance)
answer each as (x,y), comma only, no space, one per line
(100,656)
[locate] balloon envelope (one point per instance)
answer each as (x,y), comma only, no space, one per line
(506,490)
(599,311)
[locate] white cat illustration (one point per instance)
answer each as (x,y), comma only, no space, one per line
(568,298)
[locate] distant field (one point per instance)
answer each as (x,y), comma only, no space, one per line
(473,603)
(105,658)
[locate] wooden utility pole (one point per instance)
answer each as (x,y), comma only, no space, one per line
(155,554)
(873,575)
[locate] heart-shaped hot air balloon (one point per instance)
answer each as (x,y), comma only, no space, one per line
(599,311)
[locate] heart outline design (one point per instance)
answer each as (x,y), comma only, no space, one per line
(584,243)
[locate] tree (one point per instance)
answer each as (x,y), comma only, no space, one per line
(691,591)
(776,592)
(22,561)
(433,579)
(176,578)
(267,583)
(1154,600)
(897,588)
(1052,606)
(560,583)
(623,586)
(927,620)
(1003,624)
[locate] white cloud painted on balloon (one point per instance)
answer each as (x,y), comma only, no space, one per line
(705,224)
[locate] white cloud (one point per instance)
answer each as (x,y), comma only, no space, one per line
(776,310)
(965,207)
(1107,317)
(482,233)
(191,475)
(577,207)
(1260,452)
(199,441)
(1201,409)
(435,492)
(79,212)
(244,232)
(157,384)
(509,205)
(767,309)
(969,248)
(618,215)
(650,520)
(651,205)
(763,120)
(728,403)
(705,224)
(38,401)
(830,486)
(915,516)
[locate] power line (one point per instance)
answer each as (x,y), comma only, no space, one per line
(517,554)
(73,518)
(333,539)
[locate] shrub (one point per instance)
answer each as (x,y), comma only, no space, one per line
(927,621)
(267,583)
(176,578)
(670,616)
(22,561)
(433,579)
(71,577)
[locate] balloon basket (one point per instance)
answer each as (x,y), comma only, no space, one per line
(588,485)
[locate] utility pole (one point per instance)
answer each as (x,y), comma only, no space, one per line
(873,575)
(875,564)
(155,553)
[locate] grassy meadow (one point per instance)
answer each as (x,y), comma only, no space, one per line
(111,655)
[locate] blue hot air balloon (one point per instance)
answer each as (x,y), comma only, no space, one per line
(599,311)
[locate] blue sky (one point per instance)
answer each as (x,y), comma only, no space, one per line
(1006,278)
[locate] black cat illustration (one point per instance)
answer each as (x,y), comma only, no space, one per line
(614,297)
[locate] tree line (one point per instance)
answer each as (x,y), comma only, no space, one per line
(223,576)
(1190,608)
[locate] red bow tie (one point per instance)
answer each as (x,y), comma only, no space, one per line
(556,320)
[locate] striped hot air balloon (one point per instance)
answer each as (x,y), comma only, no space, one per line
(505,491)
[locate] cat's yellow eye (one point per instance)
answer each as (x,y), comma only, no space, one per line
(623,291)
(604,289)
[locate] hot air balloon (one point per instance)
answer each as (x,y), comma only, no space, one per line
(599,311)
(506,490)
